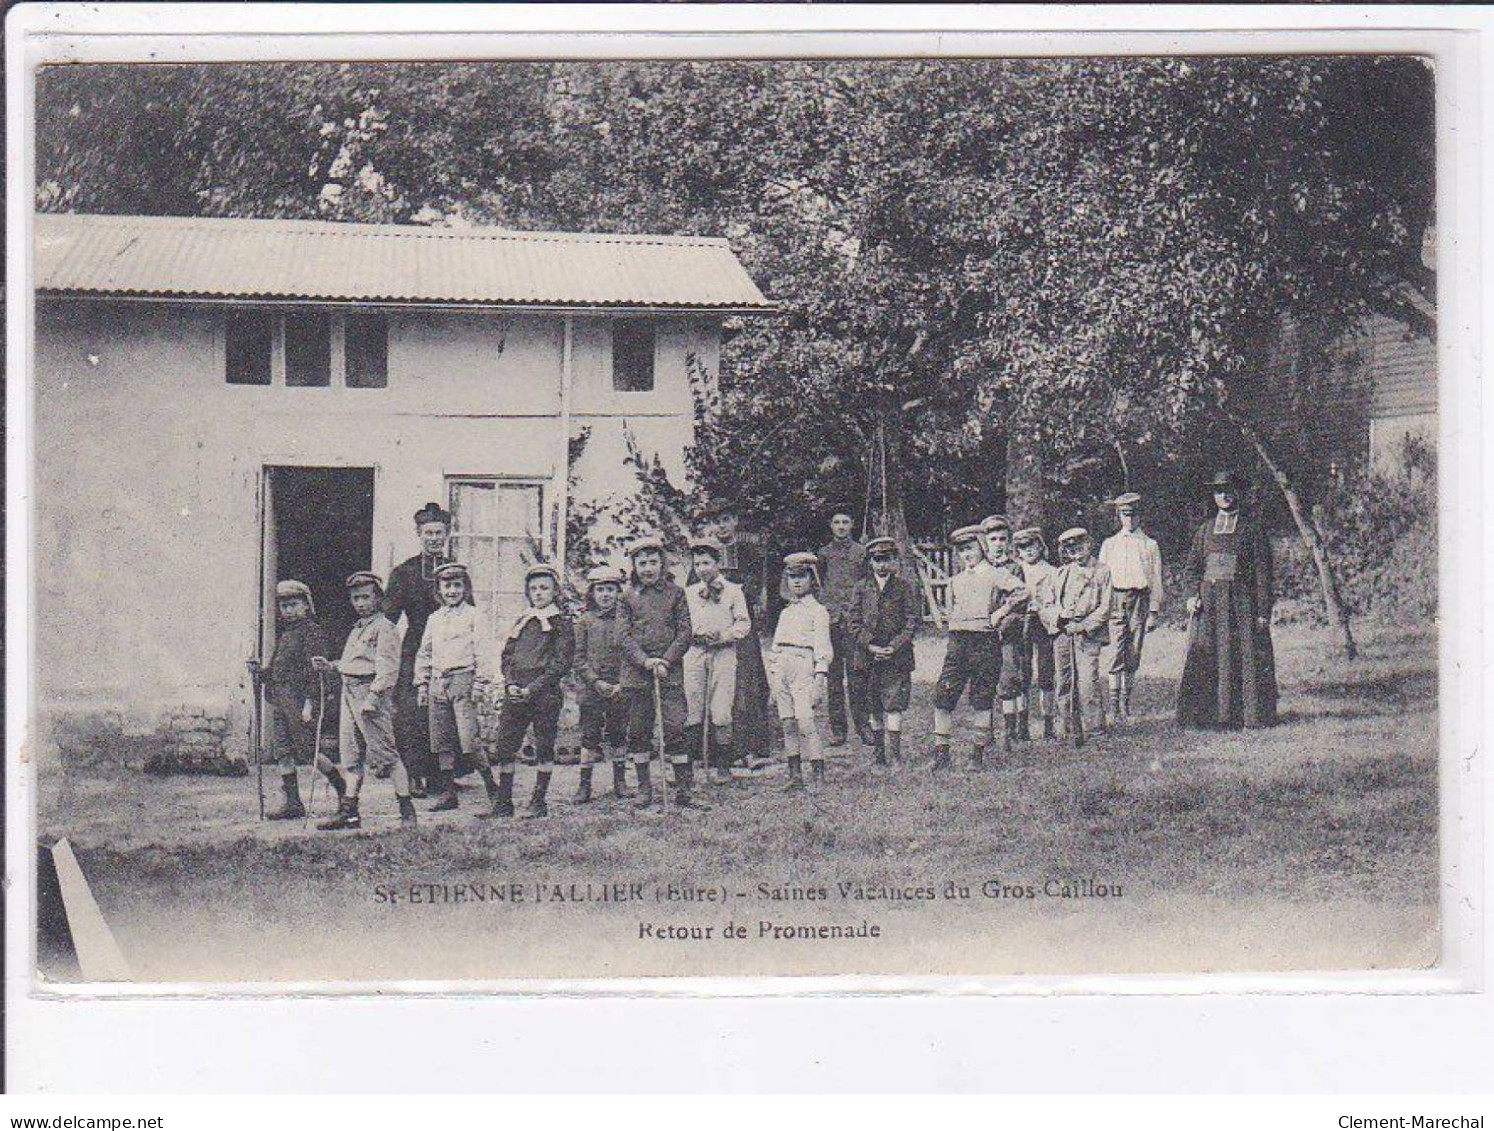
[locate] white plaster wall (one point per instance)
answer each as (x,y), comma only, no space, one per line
(148,466)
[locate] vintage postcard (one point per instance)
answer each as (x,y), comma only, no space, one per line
(508,520)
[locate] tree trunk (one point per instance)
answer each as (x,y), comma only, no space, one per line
(1024,480)
(888,513)
(1308,531)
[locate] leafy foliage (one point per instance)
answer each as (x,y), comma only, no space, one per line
(1095,255)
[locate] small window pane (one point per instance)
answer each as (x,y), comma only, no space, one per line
(248,348)
(633,355)
(308,350)
(366,344)
(497,531)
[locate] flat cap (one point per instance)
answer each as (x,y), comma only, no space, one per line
(542,569)
(453,569)
(1027,535)
(995,522)
(605,575)
(882,545)
(364,577)
(1128,499)
(801,560)
(966,534)
(1072,534)
(292,588)
(647,542)
(1224,479)
(705,542)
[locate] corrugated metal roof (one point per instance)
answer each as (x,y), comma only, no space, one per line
(302,259)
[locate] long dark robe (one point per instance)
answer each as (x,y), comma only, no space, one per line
(1229,676)
(412,591)
(752,713)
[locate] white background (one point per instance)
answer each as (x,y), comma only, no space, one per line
(1142,1039)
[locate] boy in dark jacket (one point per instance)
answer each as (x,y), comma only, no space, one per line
(655,633)
(604,707)
(295,693)
(881,618)
(539,652)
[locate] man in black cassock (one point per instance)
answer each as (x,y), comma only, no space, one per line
(412,592)
(1229,676)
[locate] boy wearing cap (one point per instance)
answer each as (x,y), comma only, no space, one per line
(800,673)
(842,563)
(881,622)
(1037,657)
(1079,618)
(604,707)
(718,620)
(369,668)
(1007,621)
(1135,564)
(454,656)
(295,693)
(654,630)
(971,654)
(411,595)
(538,653)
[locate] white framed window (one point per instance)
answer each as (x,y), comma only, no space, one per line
(497,532)
(306,349)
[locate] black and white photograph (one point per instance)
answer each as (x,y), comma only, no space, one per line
(500,520)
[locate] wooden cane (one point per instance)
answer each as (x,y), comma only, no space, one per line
(316,745)
(256,731)
(659,744)
(705,722)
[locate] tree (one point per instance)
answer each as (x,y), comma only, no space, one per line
(977,260)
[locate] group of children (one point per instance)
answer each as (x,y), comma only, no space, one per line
(656,664)
(1023,630)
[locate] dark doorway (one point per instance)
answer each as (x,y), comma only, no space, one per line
(318,529)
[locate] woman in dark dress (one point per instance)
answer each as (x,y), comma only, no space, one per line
(1229,676)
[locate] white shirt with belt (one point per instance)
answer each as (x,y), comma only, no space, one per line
(1135,562)
(805,623)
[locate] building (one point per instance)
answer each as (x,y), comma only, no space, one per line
(1403,390)
(223,403)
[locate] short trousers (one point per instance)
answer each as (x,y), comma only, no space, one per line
(887,690)
(604,722)
(641,721)
(453,713)
(540,711)
(366,738)
(792,677)
(710,672)
(971,659)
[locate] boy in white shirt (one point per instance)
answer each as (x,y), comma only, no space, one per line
(800,672)
(454,656)
(972,654)
(718,619)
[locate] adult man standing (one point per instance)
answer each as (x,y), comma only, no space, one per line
(1229,675)
(842,565)
(1135,564)
(412,593)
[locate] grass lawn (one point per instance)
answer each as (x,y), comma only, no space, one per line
(1309,846)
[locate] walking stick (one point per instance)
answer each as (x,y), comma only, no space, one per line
(659,743)
(316,745)
(705,728)
(256,731)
